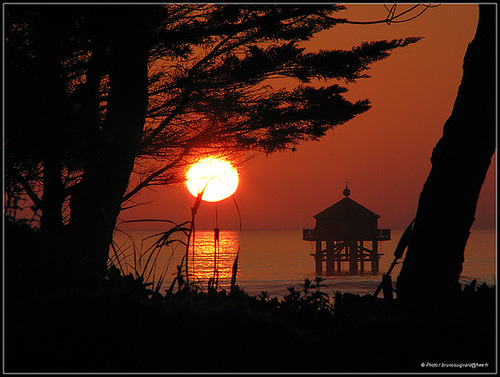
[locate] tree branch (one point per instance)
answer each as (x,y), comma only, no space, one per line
(148,180)
(185,95)
(26,186)
(391,16)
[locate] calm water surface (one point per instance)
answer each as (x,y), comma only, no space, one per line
(272,260)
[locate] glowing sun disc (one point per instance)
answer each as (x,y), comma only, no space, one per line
(218,177)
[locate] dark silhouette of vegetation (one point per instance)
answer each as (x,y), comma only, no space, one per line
(55,323)
(113,99)
(103,101)
(460,161)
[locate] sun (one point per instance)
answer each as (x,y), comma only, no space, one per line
(218,177)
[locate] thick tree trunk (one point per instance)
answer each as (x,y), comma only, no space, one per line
(53,196)
(460,160)
(91,93)
(52,117)
(106,176)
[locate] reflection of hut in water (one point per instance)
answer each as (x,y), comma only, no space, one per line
(343,233)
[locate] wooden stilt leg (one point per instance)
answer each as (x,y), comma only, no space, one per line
(340,247)
(319,259)
(330,267)
(374,256)
(353,257)
(361,257)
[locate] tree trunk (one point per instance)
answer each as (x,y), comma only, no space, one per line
(52,116)
(106,176)
(460,161)
(53,196)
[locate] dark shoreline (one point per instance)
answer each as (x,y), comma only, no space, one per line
(117,332)
(55,323)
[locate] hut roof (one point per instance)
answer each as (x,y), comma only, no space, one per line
(346,209)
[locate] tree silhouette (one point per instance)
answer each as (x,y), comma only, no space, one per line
(460,161)
(39,120)
(116,98)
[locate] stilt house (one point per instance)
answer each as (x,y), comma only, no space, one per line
(343,234)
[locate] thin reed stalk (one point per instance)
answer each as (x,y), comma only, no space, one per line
(145,262)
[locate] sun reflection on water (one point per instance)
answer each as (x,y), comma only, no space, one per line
(207,261)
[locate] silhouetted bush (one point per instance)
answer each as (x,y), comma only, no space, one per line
(121,325)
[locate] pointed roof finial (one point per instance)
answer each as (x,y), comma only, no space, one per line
(346,191)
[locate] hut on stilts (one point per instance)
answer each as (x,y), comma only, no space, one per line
(343,234)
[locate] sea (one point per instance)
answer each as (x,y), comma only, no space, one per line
(269,261)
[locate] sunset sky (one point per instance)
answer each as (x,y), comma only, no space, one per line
(384,153)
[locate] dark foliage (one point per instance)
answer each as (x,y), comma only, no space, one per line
(209,88)
(122,326)
(113,99)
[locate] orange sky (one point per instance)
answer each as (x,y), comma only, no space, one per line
(383,153)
